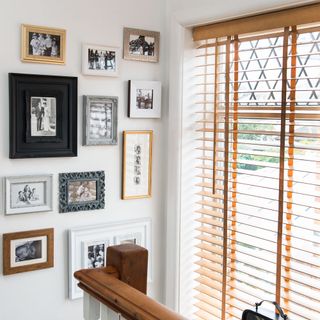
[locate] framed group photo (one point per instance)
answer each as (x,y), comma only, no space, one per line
(100,120)
(141,45)
(137,164)
(144,99)
(100,60)
(43,116)
(28,251)
(80,191)
(28,194)
(43,44)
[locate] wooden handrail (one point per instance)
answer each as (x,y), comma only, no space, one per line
(104,285)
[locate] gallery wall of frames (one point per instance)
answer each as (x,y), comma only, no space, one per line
(80,154)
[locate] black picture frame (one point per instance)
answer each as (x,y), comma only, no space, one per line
(68,185)
(64,91)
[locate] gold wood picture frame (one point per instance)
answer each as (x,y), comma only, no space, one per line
(43,44)
(137,164)
(141,45)
(28,251)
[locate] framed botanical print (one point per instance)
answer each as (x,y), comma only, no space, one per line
(137,164)
(43,44)
(43,116)
(27,194)
(141,45)
(27,251)
(100,120)
(81,191)
(100,60)
(144,99)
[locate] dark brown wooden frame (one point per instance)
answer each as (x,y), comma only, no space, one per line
(8,237)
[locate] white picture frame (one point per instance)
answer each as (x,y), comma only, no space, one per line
(99,60)
(144,99)
(28,194)
(109,234)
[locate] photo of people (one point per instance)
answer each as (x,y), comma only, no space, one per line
(47,45)
(141,45)
(43,116)
(101,60)
(82,191)
(29,250)
(144,98)
(96,256)
(100,120)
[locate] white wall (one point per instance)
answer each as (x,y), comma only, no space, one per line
(43,294)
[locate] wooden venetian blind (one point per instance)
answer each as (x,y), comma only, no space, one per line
(258,190)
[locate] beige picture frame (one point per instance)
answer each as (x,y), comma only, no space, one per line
(137,164)
(141,45)
(43,44)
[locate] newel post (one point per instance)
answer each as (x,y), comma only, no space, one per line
(131,262)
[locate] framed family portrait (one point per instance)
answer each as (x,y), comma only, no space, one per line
(43,116)
(144,99)
(100,60)
(137,164)
(43,44)
(27,251)
(80,191)
(28,194)
(100,120)
(141,45)
(88,246)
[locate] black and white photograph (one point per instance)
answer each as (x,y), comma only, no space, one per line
(82,191)
(141,45)
(96,256)
(43,116)
(137,164)
(42,44)
(26,194)
(100,120)
(100,60)
(28,250)
(144,98)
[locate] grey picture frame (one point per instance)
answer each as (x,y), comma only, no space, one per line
(69,180)
(96,129)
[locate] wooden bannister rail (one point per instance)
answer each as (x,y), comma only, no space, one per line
(110,286)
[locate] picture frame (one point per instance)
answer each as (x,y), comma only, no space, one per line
(98,60)
(80,191)
(28,251)
(43,116)
(141,45)
(27,194)
(43,44)
(100,120)
(144,99)
(96,236)
(137,164)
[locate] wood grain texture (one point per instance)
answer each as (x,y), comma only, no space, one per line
(8,237)
(261,22)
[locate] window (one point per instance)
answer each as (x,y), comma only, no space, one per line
(258,171)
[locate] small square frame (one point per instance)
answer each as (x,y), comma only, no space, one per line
(141,49)
(114,72)
(37,58)
(133,109)
(27,180)
(12,267)
(88,139)
(64,181)
(110,233)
